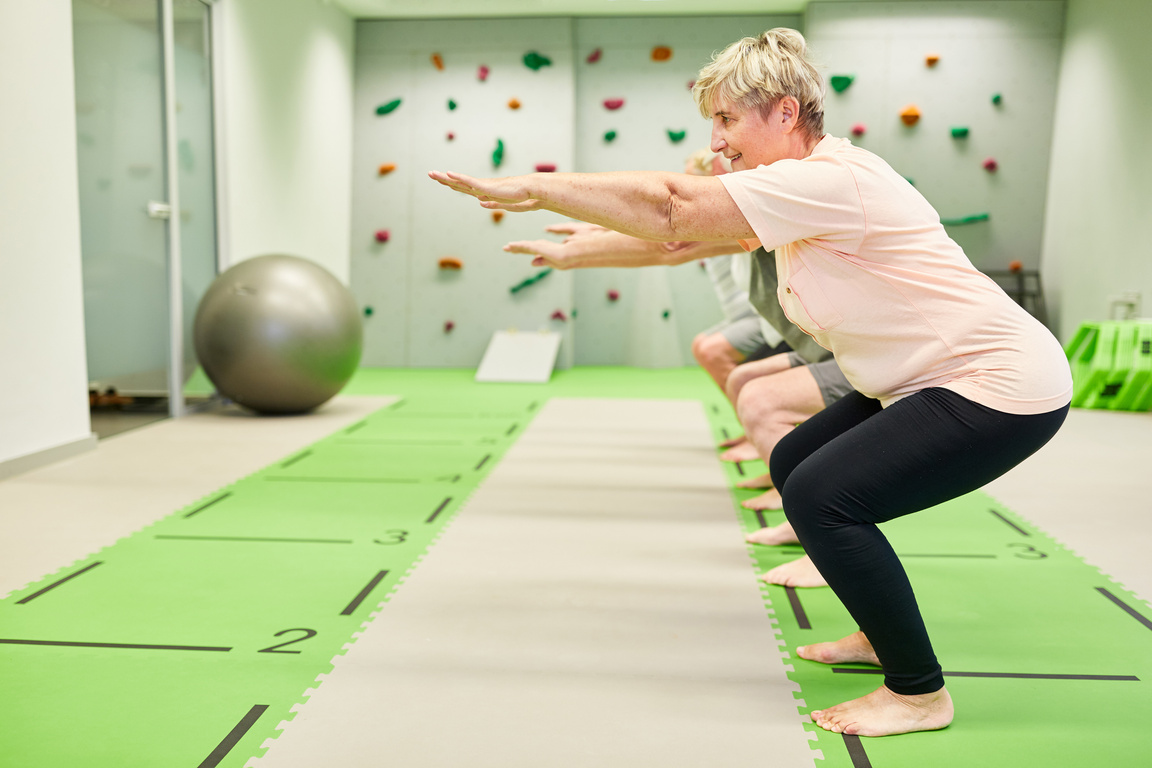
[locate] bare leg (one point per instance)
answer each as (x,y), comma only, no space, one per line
(716,356)
(742,374)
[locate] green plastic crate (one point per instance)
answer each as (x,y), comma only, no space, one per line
(1112,365)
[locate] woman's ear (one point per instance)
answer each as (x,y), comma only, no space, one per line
(789,112)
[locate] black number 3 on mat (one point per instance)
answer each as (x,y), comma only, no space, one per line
(1028,552)
(276,648)
(397,537)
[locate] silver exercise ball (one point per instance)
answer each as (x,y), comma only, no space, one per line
(278,334)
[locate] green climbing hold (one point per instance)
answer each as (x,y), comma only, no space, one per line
(385,109)
(677,136)
(840,83)
(451,105)
(667,314)
(960,133)
(973,219)
(368,311)
(910,180)
(531,280)
(498,153)
(573,313)
(610,136)
(997,98)
(535,61)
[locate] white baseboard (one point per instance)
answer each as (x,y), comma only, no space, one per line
(22,464)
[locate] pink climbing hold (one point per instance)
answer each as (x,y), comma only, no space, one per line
(559,315)
(859,129)
(546,168)
(613,295)
(991,165)
(451,136)
(595,56)
(613,103)
(482,73)
(383,235)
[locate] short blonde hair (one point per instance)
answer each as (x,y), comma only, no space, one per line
(757,72)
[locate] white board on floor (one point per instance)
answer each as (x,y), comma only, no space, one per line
(519,357)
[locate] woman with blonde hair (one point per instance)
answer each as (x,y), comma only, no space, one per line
(955,383)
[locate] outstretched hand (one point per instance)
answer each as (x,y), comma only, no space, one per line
(574,228)
(507,194)
(545,252)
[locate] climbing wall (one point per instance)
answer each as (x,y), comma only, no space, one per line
(463,78)
(982,76)
(439,284)
(648,65)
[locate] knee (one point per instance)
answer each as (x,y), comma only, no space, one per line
(809,496)
(711,349)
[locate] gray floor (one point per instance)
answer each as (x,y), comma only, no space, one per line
(603,509)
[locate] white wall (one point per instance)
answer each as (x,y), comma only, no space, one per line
(43,381)
(287,82)
(1100,188)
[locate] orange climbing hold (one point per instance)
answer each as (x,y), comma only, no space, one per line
(910,115)
(497,216)
(438,61)
(513,103)
(387,168)
(661,53)
(451,262)
(932,59)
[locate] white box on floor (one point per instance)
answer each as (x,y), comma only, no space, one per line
(518,356)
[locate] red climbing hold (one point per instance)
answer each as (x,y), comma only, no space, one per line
(613,295)
(613,103)
(991,165)
(594,56)
(448,326)
(859,129)
(383,235)
(546,168)
(482,73)
(559,315)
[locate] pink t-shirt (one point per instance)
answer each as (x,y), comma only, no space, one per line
(867,270)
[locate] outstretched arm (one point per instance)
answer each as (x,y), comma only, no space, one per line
(647,204)
(606,248)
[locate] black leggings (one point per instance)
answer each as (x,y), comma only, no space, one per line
(855,465)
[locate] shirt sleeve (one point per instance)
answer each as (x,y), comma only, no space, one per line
(812,199)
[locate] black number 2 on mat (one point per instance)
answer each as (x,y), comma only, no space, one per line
(308,633)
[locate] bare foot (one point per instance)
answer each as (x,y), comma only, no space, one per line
(780,534)
(854,649)
(732,442)
(769,500)
(884,713)
(798,573)
(743,452)
(761,481)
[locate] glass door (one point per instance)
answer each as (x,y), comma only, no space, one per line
(123,193)
(147,201)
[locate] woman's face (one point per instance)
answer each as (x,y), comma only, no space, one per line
(747,138)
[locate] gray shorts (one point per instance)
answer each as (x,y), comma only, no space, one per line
(829,378)
(743,333)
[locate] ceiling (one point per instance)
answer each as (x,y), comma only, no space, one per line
(423,9)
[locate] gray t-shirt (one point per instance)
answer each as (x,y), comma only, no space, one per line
(762,296)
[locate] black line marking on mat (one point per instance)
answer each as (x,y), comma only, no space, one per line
(130,646)
(483,461)
(352,606)
(203,507)
(439,509)
(296,458)
(1020,530)
(533,406)
(234,736)
(797,608)
(511,429)
(724,431)
(395,441)
(57,583)
(1129,609)
(356,426)
(760,518)
(992,557)
(298,479)
(856,751)
(254,538)
(740,469)
(1009,675)
(715,408)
